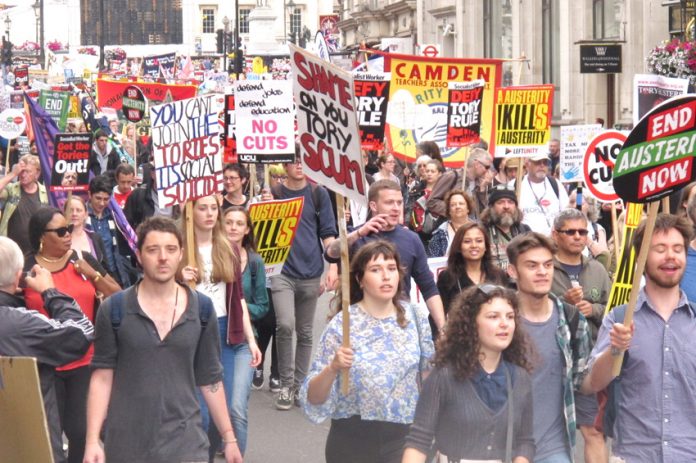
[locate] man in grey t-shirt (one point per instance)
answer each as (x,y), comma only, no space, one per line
(558,369)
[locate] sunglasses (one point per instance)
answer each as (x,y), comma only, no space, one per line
(488,289)
(62,231)
(573,231)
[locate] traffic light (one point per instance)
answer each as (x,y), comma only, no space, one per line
(239,61)
(219,41)
(229,41)
(8,53)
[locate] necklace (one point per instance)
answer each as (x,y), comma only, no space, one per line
(50,261)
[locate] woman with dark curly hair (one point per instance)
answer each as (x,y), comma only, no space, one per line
(477,402)
(469,263)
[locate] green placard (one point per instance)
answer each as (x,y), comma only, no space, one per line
(57,105)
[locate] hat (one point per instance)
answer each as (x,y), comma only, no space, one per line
(539,156)
(512,163)
(500,192)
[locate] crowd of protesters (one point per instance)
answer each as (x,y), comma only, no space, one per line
(505,364)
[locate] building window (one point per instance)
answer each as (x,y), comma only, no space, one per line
(606,19)
(208,20)
(296,22)
(244,20)
(497,34)
(551,57)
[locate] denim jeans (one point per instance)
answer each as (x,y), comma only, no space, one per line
(237,376)
(556,458)
(295,302)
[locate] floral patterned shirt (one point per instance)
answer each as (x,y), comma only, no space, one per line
(383,378)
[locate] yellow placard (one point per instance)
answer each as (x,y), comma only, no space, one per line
(623,277)
(275,224)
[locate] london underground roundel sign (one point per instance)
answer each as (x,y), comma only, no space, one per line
(657,158)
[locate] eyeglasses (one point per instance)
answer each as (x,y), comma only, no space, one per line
(62,231)
(485,166)
(573,231)
(488,289)
(230,178)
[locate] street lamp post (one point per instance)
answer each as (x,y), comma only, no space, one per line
(39,14)
(8,23)
(225,51)
(290,9)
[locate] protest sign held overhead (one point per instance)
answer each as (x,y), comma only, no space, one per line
(57,105)
(228,124)
(657,158)
(134,104)
(186,149)
(649,90)
(265,122)
(159,66)
(326,119)
(70,162)
(523,120)
(12,123)
(574,142)
(464,113)
(418,102)
(371,94)
(625,269)
(110,92)
(598,164)
(275,223)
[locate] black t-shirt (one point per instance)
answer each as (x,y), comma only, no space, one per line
(226,204)
(573,271)
(18,225)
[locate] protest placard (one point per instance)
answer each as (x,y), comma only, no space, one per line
(71,162)
(650,90)
(12,123)
(657,157)
(371,94)
(159,65)
(57,105)
(598,164)
(464,103)
(623,277)
(186,149)
(326,119)
(265,126)
(574,142)
(134,104)
(229,139)
(523,120)
(418,102)
(275,223)
(436,265)
(23,432)
(110,92)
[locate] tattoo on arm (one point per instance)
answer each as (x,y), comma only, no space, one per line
(214,387)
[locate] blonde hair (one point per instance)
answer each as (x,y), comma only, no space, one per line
(225,257)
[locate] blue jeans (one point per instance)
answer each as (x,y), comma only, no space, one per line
(237,376)
(556,458)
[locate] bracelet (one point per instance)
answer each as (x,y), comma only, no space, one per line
(233,441)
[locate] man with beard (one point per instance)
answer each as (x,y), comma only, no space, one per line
(655,409)
(541,195)
(503,220)
(560,342)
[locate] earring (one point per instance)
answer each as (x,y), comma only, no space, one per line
(41,247)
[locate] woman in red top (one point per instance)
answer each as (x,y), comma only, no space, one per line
(82,277)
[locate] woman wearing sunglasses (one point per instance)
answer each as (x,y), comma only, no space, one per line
(469,263)
(81,277)
(477,402)
(390,345)
(217,274)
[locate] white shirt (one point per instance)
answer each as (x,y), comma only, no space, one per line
(540,205)
(215,291)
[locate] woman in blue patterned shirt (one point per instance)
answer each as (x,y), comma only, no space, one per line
(390,345)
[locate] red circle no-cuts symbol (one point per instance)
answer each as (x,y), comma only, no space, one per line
(598,164)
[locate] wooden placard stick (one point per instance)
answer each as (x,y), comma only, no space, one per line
(7,158)
(190,241)
(518,180)
(665,204)
(640,265)
(615,233)
(252,180)
(345,284)
(135,149)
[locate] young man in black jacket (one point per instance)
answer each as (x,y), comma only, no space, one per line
(27,333)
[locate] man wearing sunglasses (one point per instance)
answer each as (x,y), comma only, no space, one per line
(541,195)
(561,341)
(583,282)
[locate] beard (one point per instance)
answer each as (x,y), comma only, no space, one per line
(505,219)
(664,281)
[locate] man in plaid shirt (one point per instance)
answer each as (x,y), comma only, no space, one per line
(560,356)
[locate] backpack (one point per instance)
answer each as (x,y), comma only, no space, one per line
(205,308)
(554,185)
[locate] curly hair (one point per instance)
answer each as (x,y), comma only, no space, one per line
(359,262)
(459,348)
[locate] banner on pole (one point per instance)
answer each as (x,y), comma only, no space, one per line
(70,162)
(649,90)
(371,94)
(523,120)
(623,278)
(186,148)
(464,113)
(275,224)
(265,122)
(574,142)
(326,120)
(418,102)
